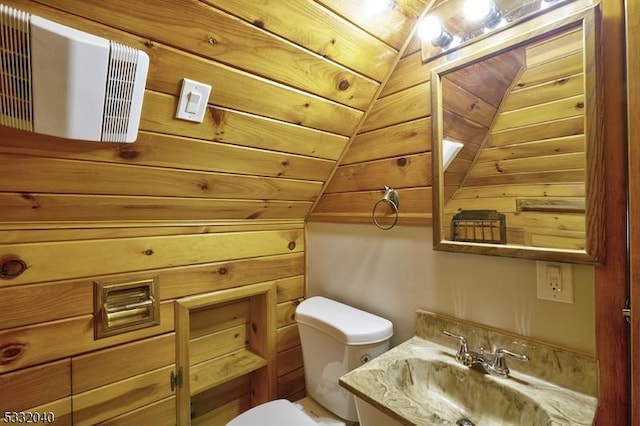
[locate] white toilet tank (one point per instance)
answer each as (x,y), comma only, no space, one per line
(337,338)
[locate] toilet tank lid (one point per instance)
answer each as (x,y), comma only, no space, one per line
(345,323)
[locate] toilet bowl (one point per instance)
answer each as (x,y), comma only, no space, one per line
(280,412)
(335,338)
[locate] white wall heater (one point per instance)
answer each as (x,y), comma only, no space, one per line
(63,82)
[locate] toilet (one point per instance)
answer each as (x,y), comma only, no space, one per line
(335,338)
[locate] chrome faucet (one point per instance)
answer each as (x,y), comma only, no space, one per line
(492,363)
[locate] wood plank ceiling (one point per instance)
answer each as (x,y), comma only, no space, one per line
(285,101)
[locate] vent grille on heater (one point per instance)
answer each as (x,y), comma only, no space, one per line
(119,92)
(16,107)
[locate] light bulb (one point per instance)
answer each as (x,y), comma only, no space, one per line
(429,28)
(477,10)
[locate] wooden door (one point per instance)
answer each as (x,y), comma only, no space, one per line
(633,108)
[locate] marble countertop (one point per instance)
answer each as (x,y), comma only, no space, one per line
(419,382)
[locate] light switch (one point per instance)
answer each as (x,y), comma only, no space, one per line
(194,97)
(193,103)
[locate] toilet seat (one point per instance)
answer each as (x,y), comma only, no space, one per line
(280,412)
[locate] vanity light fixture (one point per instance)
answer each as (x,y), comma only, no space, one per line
(431,29)
(483,10)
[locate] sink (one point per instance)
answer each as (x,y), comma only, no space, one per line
(454,392)
(419,382)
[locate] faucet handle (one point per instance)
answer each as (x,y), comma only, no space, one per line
(499,366)
(463,341)
(501,352)
(463,351)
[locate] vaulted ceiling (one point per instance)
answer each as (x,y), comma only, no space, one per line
(292,81)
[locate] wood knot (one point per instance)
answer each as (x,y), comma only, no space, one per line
(292,245)
(401,162)
(12,267)
(258,23)
(254,327)
(32,200)
(284,163)
(344,84)
(11,352)
(150,44)
(128,154)
(223,271)
(203,186)
(148,252)
(211,40)
(580,105)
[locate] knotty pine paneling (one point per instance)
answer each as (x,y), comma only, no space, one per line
(118,398)
(393,147)
(39,343)
(398,129)
(35,386)
(160,413)
(65,260)
(38,303)
(202,207)
(119,362)
(402,139)
(207,31)
(319,30)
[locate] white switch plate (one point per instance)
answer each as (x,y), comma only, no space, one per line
(555,281)
(190,91)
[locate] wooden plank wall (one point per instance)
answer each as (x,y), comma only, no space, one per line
(201,207)
(393,148)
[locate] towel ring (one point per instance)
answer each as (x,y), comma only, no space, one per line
(391,197)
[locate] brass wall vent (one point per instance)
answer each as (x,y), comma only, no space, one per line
(125,306)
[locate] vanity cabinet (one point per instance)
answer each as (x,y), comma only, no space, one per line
(225,353)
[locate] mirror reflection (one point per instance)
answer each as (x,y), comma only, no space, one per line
(515,146)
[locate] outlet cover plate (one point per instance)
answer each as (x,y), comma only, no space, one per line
(549,290)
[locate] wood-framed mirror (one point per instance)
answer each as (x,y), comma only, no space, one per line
(517,142)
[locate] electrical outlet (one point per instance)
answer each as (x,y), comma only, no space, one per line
(555,281)
(554,277)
